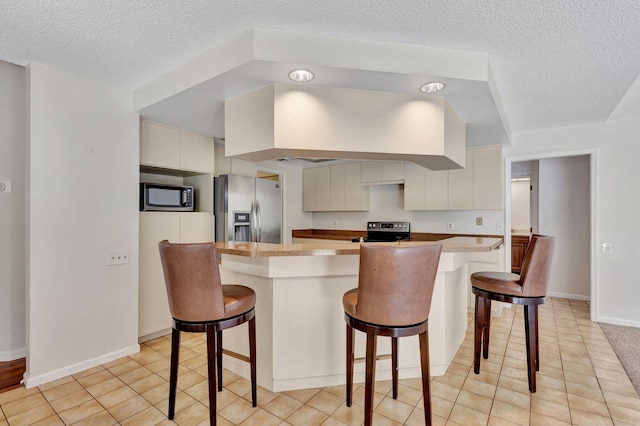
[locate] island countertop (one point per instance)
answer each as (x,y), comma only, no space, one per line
(449,245)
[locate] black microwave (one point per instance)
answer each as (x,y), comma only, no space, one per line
(166,198)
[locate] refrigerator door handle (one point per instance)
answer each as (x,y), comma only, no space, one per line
(252,222)
(258,223)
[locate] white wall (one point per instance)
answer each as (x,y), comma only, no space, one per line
(83,154)
(564,212)
(386,203)
(12,168)
(616,177)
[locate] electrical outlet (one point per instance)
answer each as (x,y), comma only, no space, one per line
(334,223)
(499,226)
(479,221)
(450,226)
(119,257)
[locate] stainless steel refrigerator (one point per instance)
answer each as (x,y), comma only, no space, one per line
(247,209)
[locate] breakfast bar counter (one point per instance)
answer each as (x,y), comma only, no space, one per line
(301,332)
(450,245)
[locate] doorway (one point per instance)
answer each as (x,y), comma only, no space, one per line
(563,206)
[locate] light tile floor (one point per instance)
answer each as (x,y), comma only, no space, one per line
(580,382)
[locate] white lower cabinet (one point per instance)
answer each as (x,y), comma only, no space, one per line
(154,317)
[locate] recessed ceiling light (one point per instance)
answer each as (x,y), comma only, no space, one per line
(432,87)
(301,75)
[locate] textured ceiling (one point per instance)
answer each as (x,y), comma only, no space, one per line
(555,63)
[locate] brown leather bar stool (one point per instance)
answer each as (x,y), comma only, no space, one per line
(393,299)
(200,303)
(528,289)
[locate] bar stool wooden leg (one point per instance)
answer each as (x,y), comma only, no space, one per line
(370,378)
(252,361)
(350,336)
(530,339)
(426,379)
(211,361)
(219,358)
(173,373)
(394,366)
(478,317)
(535,307)
(486,328)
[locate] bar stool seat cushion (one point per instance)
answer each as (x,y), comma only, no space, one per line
(238,299)
(497,282)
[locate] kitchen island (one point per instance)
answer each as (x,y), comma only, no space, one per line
(301,337)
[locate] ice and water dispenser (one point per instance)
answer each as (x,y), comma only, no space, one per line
(241,226)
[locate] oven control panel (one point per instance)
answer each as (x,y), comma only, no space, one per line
(389,226)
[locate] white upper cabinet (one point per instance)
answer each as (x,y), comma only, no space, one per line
(461,186)
(425,189)
(170,148)
(488,178)
(309,197)
(159,145)
(437,187)
(415,187)
(357,196)
(380,172)
(337,193)
(323,188)
(479,186)
(334,188)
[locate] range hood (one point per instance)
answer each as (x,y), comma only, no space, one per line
(285,121)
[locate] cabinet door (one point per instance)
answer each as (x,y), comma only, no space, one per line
(323,188)
(196,152)
(196,227)
(357,196)
(309,189)
(392,171)
(488,178)
(153,306)
(461,185)
(371,171)
(414,187)
(338,194)
(159,145)
(437,189)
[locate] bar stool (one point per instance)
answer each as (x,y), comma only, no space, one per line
(200,303)
(528,289)
(393,299)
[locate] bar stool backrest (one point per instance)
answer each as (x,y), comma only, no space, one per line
(396,283)
(536,267)
(192,279)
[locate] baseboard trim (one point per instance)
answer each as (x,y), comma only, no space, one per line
(619,321)
(40,379)
(155,335)
(568,296)
(12,355)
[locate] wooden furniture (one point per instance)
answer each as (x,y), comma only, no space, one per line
(528,289)
(200,303)
(519,245)
(393,299)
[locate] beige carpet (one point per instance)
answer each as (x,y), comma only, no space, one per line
(625,342)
